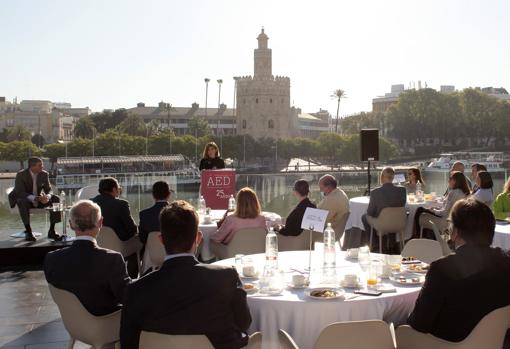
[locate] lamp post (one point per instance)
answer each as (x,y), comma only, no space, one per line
(168,108)
(219,103)
(93,141)
(234,109)
(206,92)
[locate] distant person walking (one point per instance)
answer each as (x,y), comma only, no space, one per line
(211,159)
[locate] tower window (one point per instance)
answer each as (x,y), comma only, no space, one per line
(270,124)
(244,124)
(256,100)
(270,100)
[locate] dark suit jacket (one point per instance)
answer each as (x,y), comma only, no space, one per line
(294,219)
(97,276)
(149,220)
(116,215)
(460,290)
(185,297)
(23,185)
(387,195)
(211,164)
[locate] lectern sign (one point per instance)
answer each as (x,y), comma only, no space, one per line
(217,186)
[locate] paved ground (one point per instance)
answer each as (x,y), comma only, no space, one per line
(29,319)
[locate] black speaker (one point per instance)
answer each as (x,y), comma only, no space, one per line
(369,144)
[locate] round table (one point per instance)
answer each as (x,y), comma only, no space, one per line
(304,318)
(502,236)
(359,205)
(208,229)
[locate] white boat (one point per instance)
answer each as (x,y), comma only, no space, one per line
(131,171)
(492,160)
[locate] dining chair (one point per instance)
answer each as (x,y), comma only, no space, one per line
(425,220)
(245,241)
(371,334)
(156,251)
(294,243)
(153,340)
(107,238)
(286,341)
(390,220)
(86,193)
(441,238)
(489,333)
(83,326)
(425,250)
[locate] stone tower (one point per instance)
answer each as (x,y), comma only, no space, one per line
(263,101)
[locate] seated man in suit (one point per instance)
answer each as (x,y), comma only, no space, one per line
(185,297)
(387,195)
(117,215)
(462,288)
(149,218)
(32,190)
(97,276)
(335,201)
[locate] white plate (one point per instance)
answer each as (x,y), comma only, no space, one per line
(409,267)
(408,278)
(340,294)
(346,285)
(297,287)
(253,290)
(254,277)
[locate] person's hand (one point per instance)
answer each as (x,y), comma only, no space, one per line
(43,199)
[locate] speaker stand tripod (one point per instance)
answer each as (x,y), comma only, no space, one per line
(367,192)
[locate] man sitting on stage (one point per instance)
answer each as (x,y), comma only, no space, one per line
(97,276)
(32,190)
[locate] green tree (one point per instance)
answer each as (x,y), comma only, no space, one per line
(20,151)
(133,125)
(338,95)
(330,146)
(199,127)
(84,128)
(38,140)
(18,133)
(54,151)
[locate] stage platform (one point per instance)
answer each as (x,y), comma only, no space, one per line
(18,252)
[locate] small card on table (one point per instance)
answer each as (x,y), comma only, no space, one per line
(314,218)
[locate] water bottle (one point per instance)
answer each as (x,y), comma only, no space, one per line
(231,203)
(419,192)
(329,263)
(271,250)
(62,200)
(201,205)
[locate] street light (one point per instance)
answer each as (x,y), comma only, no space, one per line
(234,109)
(168,107)
(219,103)
(206,91)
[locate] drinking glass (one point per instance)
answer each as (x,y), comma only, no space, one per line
(364,257)
(373,274)
(56,206)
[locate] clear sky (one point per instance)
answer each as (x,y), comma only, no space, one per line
(115,53)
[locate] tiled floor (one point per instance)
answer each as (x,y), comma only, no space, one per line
(29,318)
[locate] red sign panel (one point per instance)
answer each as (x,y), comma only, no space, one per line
(217,186)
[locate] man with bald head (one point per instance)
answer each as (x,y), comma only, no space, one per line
(335,201)
(97,276)
(460,167)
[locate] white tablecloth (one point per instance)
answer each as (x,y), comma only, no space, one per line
(208,229)
(304,318)
(502,236)
(359,205)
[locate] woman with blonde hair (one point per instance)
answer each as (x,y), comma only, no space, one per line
(246,215)
(501,206)
(211,159)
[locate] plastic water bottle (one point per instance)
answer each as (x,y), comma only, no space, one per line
(231,203)
(62,200)
(329,250)
(419,192)
(271,250)
(201,205)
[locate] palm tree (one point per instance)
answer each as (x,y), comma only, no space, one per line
(338,94)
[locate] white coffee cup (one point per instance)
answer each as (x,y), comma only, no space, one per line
(298,280)
(352,252)
(249,270)
(351,279)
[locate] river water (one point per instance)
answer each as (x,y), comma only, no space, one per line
(274,191)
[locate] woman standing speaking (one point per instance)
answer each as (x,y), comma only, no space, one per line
(211,159)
